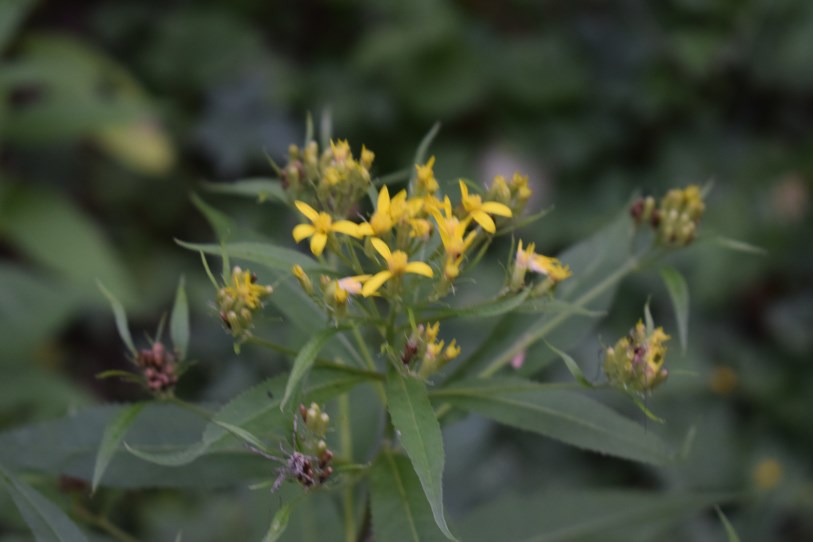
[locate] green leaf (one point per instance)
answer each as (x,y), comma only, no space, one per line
(304,361)
(279,523)
(257,411)
(121,320)
(179,321)
(729,529)
(581,515)
(495,307)
(679,293)
(739,246)
(413,417)
(268,255)
(260,188)
(220,223)
(44,518)
(12,12)
(400,510)
(111,439)
(558,413)
(572,366)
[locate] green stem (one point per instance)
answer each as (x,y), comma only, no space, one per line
(102,523)
(346,443)
(368,359)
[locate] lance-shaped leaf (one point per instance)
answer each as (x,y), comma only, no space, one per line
(304,361)
(558,413)
(279,522)
(486,309)
(413,417)
(113,435)
(179,321)
(261,189)
(400,510)
(44,518)
(121,319)
(220,223)
(729,529)
(266,254)
(679,293)
(739,246)
(581,515)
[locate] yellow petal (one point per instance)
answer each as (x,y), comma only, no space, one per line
(302,231)
(485,221)
(494,208)
(371,286)
(381,247)
(307,210)
(365,230)
(318,242)
(464,190)
(383,201)
(346,227)
(419,268)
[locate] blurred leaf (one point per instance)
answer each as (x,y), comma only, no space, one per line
(261,189)
(426,142)
(279,523)
(679,293)
(141,145)
(414,419)
(256,410)
(581,515)
(51,231)
(494,307)
(739,246)
(220,223)
(304,361)
(268,255)
(572,366)
(12,12)
(44,518)
(729,529)
(557,413)
(121,320)
(400,511)
(179,321)
(113,435)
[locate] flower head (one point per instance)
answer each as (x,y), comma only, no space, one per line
(527,260)
(397,264)
(480,211)
(381,222)
(321,226)
(636,361)
(427,183)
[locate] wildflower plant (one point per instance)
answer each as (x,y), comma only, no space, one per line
(372,269)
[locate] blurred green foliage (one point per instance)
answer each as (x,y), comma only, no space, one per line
(112,112)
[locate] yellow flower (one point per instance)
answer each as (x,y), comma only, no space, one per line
(303,278)
(381,221)
(427,184)
(397,264)
(545,265)
(320,227)
(244,288)
(367,157)
(480,210)
(451,230)
(519,183)
(452,351)
(348,286)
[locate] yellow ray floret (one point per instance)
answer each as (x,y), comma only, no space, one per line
(321,226)
(480,210)
(397,264)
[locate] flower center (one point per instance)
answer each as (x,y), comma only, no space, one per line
(323,223)
(398,262)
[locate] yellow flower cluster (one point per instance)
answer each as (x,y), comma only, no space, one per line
(636,361)
(238,301)
(676,218)
(527,260)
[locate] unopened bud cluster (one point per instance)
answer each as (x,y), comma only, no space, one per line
(332,176)
(514,193)
(316,456)
(158,366)
(675,219)
(424,354)
(636,361)
(238,301)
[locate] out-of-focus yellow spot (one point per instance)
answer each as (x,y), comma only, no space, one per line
(767,474)
(723,380)
(141,146)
